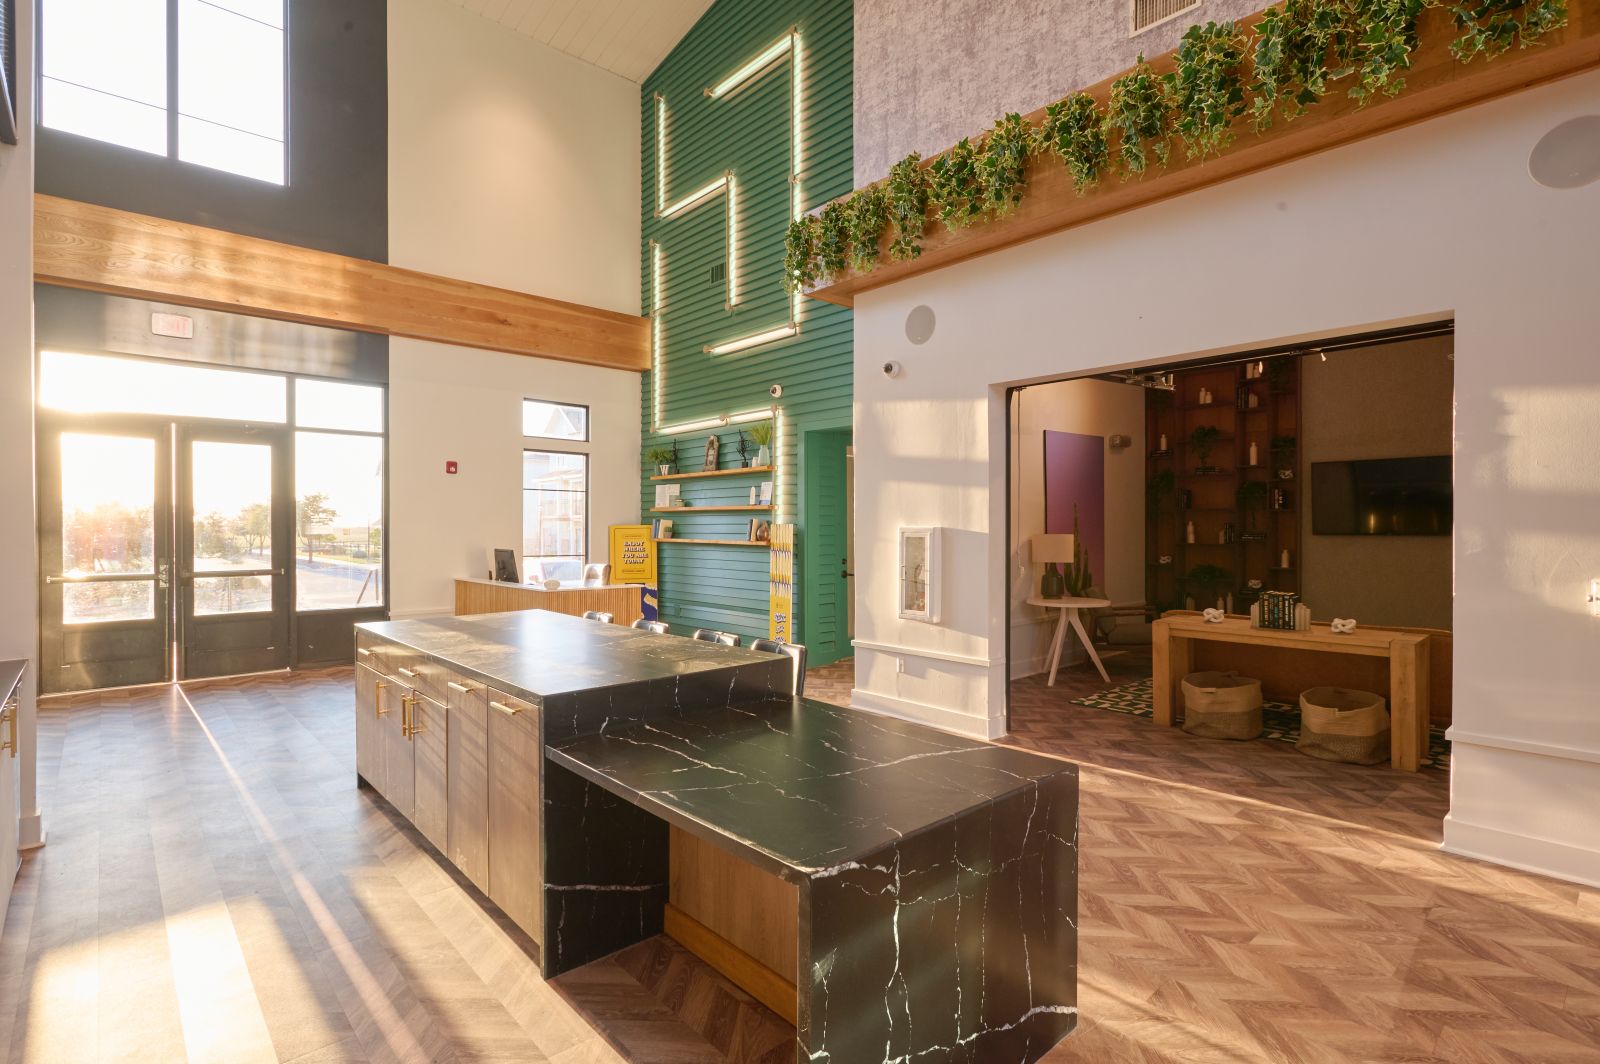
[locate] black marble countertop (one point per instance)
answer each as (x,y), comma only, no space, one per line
(11,676)
(798,787)
(538,654)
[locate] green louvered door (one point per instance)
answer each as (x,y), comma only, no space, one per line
(825,621)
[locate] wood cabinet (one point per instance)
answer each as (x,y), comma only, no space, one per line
(463,763)
(10,795)
(430,722)
(468,752)
(516,755)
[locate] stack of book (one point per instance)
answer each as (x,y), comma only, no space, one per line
(1278,610)
(661,528)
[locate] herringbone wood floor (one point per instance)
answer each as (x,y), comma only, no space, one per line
(215,889)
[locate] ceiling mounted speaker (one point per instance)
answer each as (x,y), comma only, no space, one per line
(919,324)
(1569,155)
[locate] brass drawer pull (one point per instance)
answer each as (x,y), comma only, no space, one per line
(377,697)
(12,711)
(364,652)
(407,673)
(408,706)
(458,687)
(509,711)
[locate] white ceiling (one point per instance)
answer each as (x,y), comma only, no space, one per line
(626,37)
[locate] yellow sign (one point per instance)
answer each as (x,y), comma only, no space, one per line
(633,555)
(781,591)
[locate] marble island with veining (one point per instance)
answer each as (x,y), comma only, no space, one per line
(935,876)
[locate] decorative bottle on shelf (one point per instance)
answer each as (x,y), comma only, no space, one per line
(1052,585)
(1253,452)
(1283,560)
(1163,442)
(1189,533)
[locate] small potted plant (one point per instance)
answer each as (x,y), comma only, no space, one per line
(744,451)
(1283,450)
(1209,580)
(761,435)
(663,458)
(1252,497)
(1202,439)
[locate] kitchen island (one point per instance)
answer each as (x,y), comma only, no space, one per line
(933,877)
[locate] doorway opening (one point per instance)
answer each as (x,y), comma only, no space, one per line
(827,550)
(1318,476)
(197,521)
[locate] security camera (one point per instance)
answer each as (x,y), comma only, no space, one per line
(776,391)
(891,369)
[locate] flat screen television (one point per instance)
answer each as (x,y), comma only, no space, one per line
(1382,497)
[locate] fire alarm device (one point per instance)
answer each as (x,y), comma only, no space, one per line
(450,467)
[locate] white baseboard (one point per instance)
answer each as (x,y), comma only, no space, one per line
(933,716)
(1547,857)
(412,615)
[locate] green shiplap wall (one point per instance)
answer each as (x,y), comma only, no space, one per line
(747,132)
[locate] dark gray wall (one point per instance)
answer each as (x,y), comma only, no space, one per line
(336,198)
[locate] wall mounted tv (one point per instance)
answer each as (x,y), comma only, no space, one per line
(1382,497)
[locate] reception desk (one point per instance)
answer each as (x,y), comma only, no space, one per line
(584,774)
(491,596)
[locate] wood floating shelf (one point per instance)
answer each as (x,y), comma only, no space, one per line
(1436,84)
(710,509)
(716,542)
(737,471)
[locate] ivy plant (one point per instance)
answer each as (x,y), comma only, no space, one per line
(1002,165)
(1074,131)
(868,213)
(1206,88)
(955,186)
(833,239)
(1490,27)
(1290,59)
(1388,38)
(1138,116)
(907,194)
(800,269)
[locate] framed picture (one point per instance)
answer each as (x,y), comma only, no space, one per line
(919,574)
(505,565)
(712,447)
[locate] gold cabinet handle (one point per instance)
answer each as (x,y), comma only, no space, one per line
(458,687)
(377,697)
(12,711)
(364,652)
(407,673)
(408,706)
(509,711)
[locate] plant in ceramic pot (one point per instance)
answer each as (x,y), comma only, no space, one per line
(1202,439)
(1161,487)
(1207,581)
(1252,496)
(1283,449)
(761,436)
(662,458)
(1079,580)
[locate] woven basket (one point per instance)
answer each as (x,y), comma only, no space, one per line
(1338,724)
(1221,705)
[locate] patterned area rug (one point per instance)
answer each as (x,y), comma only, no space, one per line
(1280,719)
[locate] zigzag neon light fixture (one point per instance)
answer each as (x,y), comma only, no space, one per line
(727,187)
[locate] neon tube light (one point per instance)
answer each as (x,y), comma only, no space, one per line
(744,343)
(752,68)
(699,195)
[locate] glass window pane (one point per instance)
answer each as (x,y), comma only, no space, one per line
(555,513)
(230,70)
(124,600)
(268,11)
(331,405)
(554,421)
(97,384)
(232,594)
(232,506)
(222,148)
(338,521)
(90,113)
(108,494)
(116,46)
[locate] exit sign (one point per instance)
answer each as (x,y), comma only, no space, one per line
(180,326)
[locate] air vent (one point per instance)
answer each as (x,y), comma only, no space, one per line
(719,273)
(1148,13)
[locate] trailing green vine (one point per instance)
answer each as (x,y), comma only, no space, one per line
(1297,52)
(1206,89)
(1138,115)
(869,213)
(955,186)
(1073,130)
(1002,165)
(907,192)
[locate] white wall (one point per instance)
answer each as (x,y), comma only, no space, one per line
(510,163)
(515,165)
(456,403)
(1093,408)
(19,573)
(1435,220)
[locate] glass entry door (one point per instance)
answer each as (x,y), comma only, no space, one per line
(105,555)
(233,540)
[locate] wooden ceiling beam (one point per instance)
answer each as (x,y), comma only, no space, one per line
(81,245)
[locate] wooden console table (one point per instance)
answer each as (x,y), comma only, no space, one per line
(490,596)
(1173,640)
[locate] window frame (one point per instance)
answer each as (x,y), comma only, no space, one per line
(588,427)
(173,115)
(587,495)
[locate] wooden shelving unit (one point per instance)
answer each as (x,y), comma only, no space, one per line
(704,473)
(716,542)
(1213,497)
(742,508)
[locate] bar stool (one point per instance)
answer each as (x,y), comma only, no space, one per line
(654,627)
(705,635)
(600,615)
(729,639)
(795,651)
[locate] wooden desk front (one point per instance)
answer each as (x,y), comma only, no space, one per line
(489,596)
(1173,641)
